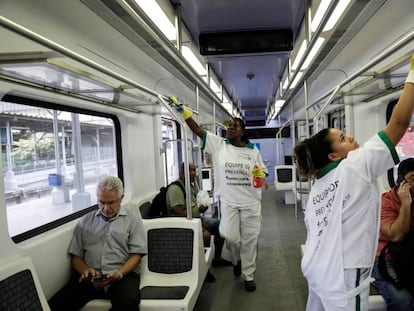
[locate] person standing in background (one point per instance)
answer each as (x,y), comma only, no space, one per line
(235,160)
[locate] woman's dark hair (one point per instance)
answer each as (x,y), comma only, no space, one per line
(312,153)
(243,127)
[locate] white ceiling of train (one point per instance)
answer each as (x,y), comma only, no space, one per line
(250,79)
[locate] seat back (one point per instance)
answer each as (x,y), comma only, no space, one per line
(170,250)
(20,289)
(284,177)
(174,270)
(175,246)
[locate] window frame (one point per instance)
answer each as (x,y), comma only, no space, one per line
(118,149)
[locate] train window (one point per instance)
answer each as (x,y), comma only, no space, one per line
(336,119)
(51,160)
(170,141)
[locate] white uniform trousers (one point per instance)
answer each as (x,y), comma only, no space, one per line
(240,227)
(356,303)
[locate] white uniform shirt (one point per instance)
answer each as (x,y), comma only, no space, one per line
(342,216)
(233,166)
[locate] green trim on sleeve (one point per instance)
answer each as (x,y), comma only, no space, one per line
(203,143)
(390,146)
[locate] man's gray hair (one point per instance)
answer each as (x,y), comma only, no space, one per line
(110,183)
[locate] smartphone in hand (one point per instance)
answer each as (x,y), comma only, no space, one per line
(99,278)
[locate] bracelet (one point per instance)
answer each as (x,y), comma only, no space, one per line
(120,274)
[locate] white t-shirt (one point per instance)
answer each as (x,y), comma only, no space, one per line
(233,166)
(342,215)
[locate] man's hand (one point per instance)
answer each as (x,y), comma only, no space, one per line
(88,274)
(404,193)
(110,277)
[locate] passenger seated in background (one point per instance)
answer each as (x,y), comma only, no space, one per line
(397,221)
(175,199)
(110,242)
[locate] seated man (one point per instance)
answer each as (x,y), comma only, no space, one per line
(106,250)
(176,203)
(397,220)
(175,200)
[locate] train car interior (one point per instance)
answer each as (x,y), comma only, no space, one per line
(84,93)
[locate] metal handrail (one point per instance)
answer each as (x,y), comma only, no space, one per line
(27,33)
(186,156)
(379,58)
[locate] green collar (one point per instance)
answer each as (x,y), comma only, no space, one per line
(248,145)
(327,168)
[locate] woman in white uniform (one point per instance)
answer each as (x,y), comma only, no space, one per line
(234,160)
(343,207)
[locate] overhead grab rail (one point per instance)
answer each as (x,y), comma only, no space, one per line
(312,42)
(330,99)
(380,57)
(31,35)
(186,157)
(7,23)
(12,26)
(282,127)
(149,27)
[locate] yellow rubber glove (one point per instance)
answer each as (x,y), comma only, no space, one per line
(258,172)
(410,77)
(185,112)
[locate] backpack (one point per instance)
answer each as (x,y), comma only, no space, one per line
(159,203)
(403,253)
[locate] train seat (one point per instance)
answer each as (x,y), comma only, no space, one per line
(284,182)
(375,300)
(20,287)
(174,270)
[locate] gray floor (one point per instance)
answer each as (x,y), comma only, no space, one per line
(280,284)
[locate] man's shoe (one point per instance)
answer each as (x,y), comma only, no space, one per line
(237,269)
(250,286)
(210,277)
(221,263)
